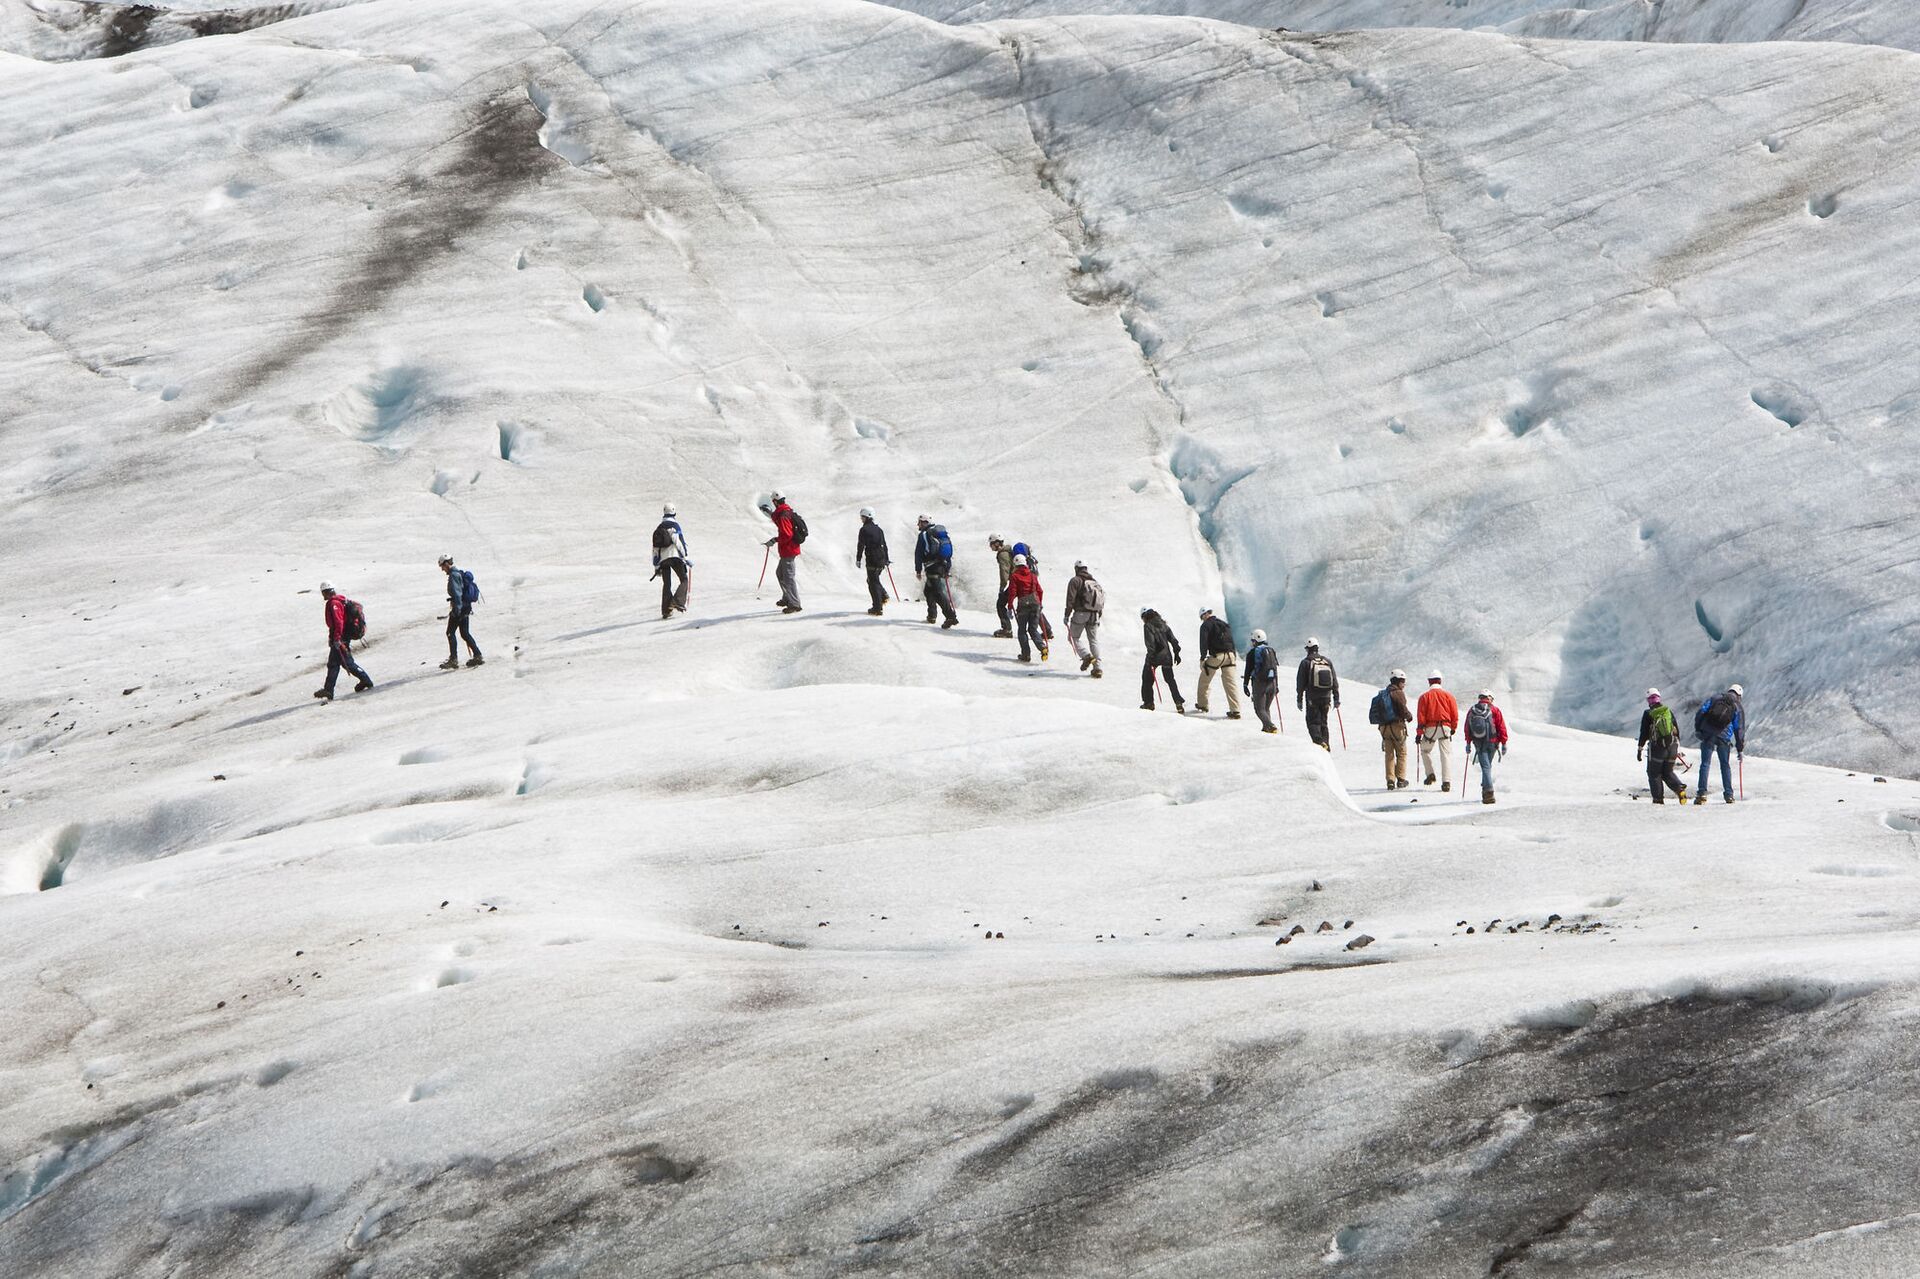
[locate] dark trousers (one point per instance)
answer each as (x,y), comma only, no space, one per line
(1000,607)
(1030,636)
(875,587)
(1317,708)
(940,596)
(1660,773)
(457,625)
(1265,693)
(673,593)
(338,656)
(1164,664)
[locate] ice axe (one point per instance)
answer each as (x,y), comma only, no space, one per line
(1743,775)
(763,571)
(1343,727)
(897,597)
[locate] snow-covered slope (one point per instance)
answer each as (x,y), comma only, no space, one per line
(659,948)
(1888,22)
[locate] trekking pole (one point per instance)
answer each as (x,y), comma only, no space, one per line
(1743,776)
(1343,727)
(768,554)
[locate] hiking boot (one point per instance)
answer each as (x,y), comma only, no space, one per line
(1701,798)
(1429,780)
(1199,710)
(451,664)
(476,660)
(950,623)
(1085,662)
(1658,802)
(1233,714)
(1024,658)
(1095,672)
(931,619)
(1145,706)
(1681,796)
(1269,730)
(1729,799)
(1486,794)
(873,612)
(1002,633)
(1043,652)
(361,687)
(1446,786)
(789,608)
(324,694)
(1180,708)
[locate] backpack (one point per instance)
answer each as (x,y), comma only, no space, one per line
(1381,710)
(1661,730)
(1261,662)
(469,589)
(1716,714)
(1093,597)
(662,537)
(1480,724)
(799,526)
(942,544)
(355,622)
(1320,673)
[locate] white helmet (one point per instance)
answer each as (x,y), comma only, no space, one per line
(1653,692)
(1486,694)
(1433,677)
(1020,561)
(1312,642)
(1259,637)
(1736,690)
(778,496)
(1206,612)
(924,519)
(994,539)
(326,588)
(1145,610)
(1396,675)
(444,560)
(866,512)
(1079,564)
(668,511)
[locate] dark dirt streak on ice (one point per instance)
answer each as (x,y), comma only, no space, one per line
(498,154)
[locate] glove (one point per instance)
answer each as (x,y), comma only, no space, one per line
(1638,756)
(1176,659)
(770,541)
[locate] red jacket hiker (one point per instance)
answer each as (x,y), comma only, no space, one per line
(1022,583)
(336,612)
(1438,709)
(783,527)
(1499,725)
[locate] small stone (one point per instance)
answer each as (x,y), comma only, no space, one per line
(298,953)
(1347,925)
(443,906)
(1326,926)
(1281,941)
(999,936)
(1315,888)
(221,1004)
(1469,932)
(1295,931)
(1552,920)
(1360,943)
(491,909)
(823,923)
(219,777)
(1881,780)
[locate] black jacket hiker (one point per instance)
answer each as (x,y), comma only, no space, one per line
(1315,700)
(871,550)
(1163,652)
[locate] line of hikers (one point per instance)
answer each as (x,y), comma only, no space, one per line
(1719,724)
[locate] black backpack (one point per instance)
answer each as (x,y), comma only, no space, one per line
(356,622)
(1716,713)
(662,537)
(799,526)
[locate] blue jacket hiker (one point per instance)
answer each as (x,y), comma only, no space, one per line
(1721,723)
(671,563)
(1261,680)
(933,560)
(462,594)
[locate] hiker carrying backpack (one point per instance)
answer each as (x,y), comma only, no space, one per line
(1659,745)
(1486,732)
(462,593)
(346,622)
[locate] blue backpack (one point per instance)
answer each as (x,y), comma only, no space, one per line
(1381,711)
(469,589)
(942,544)
(1262,662)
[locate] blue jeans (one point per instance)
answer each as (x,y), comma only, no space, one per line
(339,655)
(1484,754)
(1705,781)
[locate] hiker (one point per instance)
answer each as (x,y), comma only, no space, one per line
(933,560)
(1316,690)
(671,562)
(1659,746)
(345,624)
(1437,719)
(1024,597)
(1086,601)
(1389,712)
(1163,654)
(789,532)
(462,594)
(1033,562)
(1721,724)
(1262,680)
(1004,557)
(871,550)
(1486,730)
(1217,657)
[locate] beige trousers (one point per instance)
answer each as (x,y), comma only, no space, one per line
(1225,665)
(1436,740)
(1393,741)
